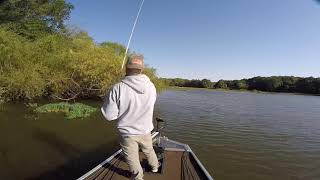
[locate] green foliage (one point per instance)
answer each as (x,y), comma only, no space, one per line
(76,110)
(240,84)
(39,57)
(221,85)
(152,74)
(59,67)
(80,67)
(34,18)
(265,83)
(19,75)
(308,85)
(177,82)
(117,48)
(206,83)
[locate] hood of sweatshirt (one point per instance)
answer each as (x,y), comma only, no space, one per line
(138,83)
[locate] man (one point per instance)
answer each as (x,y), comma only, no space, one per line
(131,102)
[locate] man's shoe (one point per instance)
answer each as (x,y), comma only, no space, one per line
(155,170)
(133,176)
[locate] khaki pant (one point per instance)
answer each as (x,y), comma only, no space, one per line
(130,147)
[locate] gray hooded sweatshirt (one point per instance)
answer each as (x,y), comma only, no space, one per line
(131,102)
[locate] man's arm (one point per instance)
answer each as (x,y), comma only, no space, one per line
(110,108)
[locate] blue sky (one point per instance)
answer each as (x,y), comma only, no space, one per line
(215,39)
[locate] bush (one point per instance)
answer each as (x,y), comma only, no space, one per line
(40,57)
(20,74)
(59,67)
(152,74)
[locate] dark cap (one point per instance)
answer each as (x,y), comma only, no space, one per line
(135,62)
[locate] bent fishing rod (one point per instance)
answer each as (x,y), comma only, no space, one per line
(130,37)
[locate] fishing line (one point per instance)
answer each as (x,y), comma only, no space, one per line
(134,25)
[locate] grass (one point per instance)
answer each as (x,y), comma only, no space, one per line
(71,111)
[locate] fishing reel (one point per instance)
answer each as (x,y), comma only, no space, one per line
(161,124)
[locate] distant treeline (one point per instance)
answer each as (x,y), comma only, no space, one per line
(309,85)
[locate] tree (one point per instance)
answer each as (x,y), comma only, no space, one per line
(288,83)
(116,47)
(206,83)
(221,84)
(308,85)
(193,83)
(230,84)
(241,84)
(265,83)
(58,67)
(273,83)
(179,82)
(34,18)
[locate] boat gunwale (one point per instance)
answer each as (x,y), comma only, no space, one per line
(187,148)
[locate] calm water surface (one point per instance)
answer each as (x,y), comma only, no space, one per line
(241,135)
(237,135)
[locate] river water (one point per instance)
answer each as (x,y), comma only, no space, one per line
(236,135)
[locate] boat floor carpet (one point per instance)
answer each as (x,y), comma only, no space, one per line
(176,165)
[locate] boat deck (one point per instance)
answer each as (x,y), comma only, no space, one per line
(176,165)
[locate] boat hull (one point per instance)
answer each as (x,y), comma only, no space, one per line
(177,159)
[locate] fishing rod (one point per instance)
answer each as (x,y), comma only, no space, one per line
(129,41)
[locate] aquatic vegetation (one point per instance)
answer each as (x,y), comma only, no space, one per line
(72,111)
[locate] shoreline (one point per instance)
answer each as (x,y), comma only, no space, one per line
(45,100)
(236,90)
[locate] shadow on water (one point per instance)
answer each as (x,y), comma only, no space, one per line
(52,140)
(77,163)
